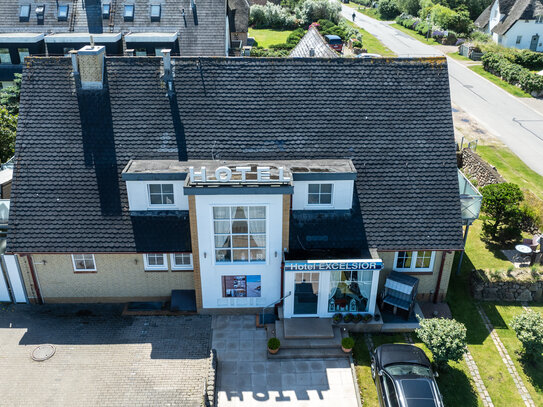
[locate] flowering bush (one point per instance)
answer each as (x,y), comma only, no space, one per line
(271,16)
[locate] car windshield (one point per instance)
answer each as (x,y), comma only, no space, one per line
(408,369)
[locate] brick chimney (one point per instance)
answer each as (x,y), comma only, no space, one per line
(88,64)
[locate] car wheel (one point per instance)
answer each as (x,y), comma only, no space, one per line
(373,369)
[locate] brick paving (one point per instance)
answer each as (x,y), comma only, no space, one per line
(521,388)
(101,359)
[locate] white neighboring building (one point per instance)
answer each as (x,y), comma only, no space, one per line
(514,23)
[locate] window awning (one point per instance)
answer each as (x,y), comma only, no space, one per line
(82,38)
(151,37)
(26,38)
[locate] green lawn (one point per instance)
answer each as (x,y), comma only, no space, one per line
(454,382)
(496,378)
(414,34)
(372,44)
(267,37)
(512,89)
(512,168)
(458,57)
(481,256)
(531,372)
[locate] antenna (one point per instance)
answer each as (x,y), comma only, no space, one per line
(92,41)
(183,14)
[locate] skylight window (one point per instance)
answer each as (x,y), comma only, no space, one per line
(62,13)
(40,10)
(106,8)
(128,12)
(24,12)
(155,12)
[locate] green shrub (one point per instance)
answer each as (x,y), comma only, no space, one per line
(445,338)
(500,206)
(271,16)
(284,45)
(500,64)
(295,36)
(313,10)
(388,9)
(408,6)
(529,59)
(529,219)
(327,27)
(274,343)
(347,343)
(269,53)
(357,44)
(480,36)
(529,329)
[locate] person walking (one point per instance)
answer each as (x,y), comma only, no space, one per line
(354,16)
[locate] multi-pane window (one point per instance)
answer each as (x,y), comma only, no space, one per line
(519,39)
(83,262)
(5,58)
(319,194)
(181,261)
(23,53)
(155,12)
(240,233)
(128,12)
(62,12)
(155,261)
(414,261)
(161,194)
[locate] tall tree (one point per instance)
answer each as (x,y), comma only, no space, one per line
(10,96)
(8,128)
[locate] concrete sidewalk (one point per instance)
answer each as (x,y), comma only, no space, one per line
(247,378)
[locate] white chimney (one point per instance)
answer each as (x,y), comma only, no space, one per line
(90,65)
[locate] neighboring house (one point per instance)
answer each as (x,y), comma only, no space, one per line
(313,44)
(514,23)
(149,176)
(54,27)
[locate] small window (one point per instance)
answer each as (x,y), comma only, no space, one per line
(106,9)
(83,262)
(5,58)
(128,12)
(155,261)
(161,194)
(519,39)
(140,52)
(155,12)
(40,10)
(62,13)
(23,53)
(418,261)
(24,12)
(181,261)
(319,194)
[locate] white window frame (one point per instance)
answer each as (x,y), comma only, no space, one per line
(160,205)
(154,267)
(74,260)
(320,205)
(8,56)
(182,266)
(413,268)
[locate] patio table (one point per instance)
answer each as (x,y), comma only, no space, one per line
(523,251)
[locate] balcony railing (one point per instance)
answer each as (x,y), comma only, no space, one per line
(470,199)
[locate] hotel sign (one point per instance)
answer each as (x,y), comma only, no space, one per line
(227,175)
(333,265)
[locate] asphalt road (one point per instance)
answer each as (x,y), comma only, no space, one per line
(516,124)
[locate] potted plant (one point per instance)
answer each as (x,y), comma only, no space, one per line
(348,318)
(347,344)
(357,318)
(366,318)
(376,317)
(337,318)
(273,345)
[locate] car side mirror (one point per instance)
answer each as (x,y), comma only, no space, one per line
(380,373)
(436,374)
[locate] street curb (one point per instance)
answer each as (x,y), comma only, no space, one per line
(355,381)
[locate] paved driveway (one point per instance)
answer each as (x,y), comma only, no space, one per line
(516,123)
(101,359)
(248,378)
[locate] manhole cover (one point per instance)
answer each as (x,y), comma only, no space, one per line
(43,352)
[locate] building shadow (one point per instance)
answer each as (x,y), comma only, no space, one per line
(179,129)
(93,11)
(171,337)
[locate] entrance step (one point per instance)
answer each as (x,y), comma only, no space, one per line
(321,353)
(305,343)
(308,328)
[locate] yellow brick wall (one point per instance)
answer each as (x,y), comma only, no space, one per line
(195,251)
(119,278)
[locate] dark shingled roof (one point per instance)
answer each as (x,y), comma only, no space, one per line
(392,117)
(208,38)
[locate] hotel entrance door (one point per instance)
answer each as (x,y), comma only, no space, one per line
(306,293)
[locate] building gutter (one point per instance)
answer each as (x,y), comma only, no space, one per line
(440,275)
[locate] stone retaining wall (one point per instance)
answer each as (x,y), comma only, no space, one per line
(477,168)
(505,290)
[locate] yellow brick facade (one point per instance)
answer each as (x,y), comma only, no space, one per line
(119,278)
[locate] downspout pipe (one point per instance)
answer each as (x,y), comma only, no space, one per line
(440,276)
(34,278)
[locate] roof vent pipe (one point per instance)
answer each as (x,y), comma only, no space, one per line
(312,52)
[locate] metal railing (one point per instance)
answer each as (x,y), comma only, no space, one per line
(273,303)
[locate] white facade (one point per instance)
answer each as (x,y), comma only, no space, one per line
(521,35)
(212,272)
(342,195)
(138,196)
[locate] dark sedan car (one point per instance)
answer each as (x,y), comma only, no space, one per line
(404,378)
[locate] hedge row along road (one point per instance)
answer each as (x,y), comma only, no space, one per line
(515,123)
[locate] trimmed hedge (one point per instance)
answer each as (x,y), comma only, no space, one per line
(512,72)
